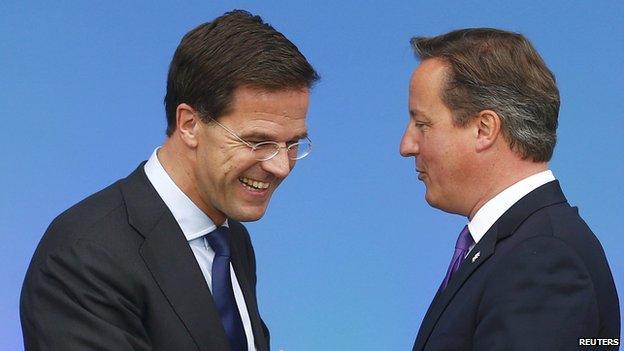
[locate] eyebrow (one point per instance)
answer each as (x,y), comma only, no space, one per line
(418,114)
(267,137)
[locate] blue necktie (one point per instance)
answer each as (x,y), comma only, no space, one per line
(222,292)
(461,249)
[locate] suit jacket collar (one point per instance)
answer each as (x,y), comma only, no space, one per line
(191,219)
(545,195)
(248,290)
(172,264)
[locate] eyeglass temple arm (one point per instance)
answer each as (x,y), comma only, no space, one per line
(248,144)
(231,132)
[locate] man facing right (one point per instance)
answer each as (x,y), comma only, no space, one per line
(527,273)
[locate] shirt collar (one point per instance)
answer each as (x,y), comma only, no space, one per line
(192,220)
(492,210)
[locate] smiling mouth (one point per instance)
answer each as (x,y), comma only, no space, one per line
(253,184)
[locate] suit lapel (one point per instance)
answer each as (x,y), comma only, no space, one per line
(246,287)
(485,248)
(545,195)
(171,262)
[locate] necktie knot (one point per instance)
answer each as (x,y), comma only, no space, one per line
(461,249)
(219,240)
(465,240)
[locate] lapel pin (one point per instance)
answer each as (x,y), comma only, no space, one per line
(474,258)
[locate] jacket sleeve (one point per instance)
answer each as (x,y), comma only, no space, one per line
(539,297)
(80,297)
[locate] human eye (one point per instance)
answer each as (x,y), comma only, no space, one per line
(257,140)
(264,144)
(293,141)
(420,125)
(257,137)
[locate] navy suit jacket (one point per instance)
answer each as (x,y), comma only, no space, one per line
(115,272)
(537,280)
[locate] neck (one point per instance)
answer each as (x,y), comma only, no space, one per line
(502,177)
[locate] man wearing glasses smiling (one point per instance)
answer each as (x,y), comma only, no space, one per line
(159,260)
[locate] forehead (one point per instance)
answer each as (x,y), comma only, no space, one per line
(426,84)
(277,113)
(429,75)
(288,101)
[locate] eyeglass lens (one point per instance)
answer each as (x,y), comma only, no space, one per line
(267,150)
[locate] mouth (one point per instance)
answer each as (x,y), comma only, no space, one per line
(254,185)
(421,174)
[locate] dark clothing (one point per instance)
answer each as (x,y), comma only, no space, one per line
(540,281)
(115,272)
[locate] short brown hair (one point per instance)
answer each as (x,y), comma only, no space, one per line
(500,71)
(235,49)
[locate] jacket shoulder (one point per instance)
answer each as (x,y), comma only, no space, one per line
(100,218)
(557,235)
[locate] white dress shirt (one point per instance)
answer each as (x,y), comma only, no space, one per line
(195,224)
(492,210)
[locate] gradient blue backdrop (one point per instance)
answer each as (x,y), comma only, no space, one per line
(349,254)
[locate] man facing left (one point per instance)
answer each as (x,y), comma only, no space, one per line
(159,260)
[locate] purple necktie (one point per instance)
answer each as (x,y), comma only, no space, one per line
(461,249)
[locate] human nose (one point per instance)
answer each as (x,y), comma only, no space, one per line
(279,165)
(409,143)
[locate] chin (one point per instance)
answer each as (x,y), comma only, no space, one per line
(250,215)
(430,199)
(435,202)
(446,207)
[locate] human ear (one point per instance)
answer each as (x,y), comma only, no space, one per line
(188,125)
(488,127)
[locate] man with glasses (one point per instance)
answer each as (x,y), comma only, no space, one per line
(159,260)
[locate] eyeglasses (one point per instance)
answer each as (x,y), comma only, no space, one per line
(266,150)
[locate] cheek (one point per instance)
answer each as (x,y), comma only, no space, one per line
(455,164)
(441,162)
(213,169)
(228,169)
(233,162)
(238,166)
(433,153)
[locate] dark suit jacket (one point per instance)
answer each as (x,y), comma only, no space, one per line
(115,272)
(540,281)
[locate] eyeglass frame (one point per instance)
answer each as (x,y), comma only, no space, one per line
(254,146)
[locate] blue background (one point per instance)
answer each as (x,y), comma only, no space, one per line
(349,253)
